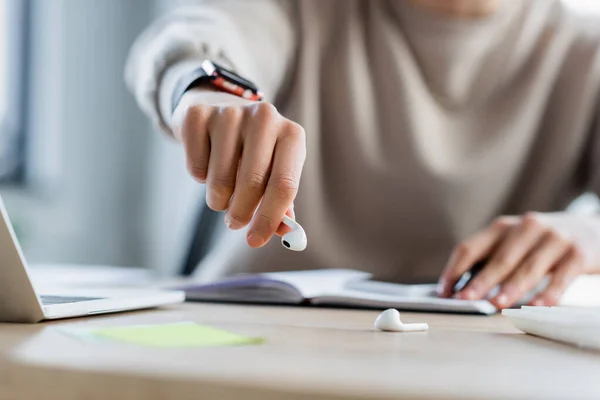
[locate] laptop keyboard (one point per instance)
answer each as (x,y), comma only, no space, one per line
(49,300)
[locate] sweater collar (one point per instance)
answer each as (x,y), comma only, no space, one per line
(459,58)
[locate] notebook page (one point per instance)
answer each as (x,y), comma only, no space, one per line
(393,289)
(314,283)
(356,298)
(250,288)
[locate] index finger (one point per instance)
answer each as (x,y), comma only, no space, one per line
(469,252)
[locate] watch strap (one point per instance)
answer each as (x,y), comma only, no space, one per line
(186,82)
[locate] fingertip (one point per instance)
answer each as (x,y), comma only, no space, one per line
(466,294)
(283,229)
(538,302)
(501,301)
(234,220)
(255,240)
(440,290)
(444,289)
(458,296)
(290,213)
(545,300)
(450,275)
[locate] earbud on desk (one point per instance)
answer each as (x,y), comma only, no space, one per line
(389,321)
(296,239)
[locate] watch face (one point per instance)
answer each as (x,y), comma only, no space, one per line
(232,82)
(232,76)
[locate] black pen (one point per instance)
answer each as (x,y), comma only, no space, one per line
(469,275)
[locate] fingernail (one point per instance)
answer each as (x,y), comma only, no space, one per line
(502,300)
(539,302)
(234,225)
(509,291)
(255,239)
(552,297)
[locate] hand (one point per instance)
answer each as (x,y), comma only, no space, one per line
(249,156)
(521,251)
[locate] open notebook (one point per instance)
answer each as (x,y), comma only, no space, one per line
(331,288)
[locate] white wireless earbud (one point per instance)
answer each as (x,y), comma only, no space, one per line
(389,321)
(296,239)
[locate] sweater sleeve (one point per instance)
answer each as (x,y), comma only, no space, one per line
(254,38)
(591,160)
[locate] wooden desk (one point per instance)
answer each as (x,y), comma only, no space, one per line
(309,353)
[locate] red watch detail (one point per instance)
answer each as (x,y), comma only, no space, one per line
(219,77)
(235,89)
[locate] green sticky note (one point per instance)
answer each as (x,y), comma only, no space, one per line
(179,335)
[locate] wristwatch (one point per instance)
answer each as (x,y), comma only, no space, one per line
(223,79)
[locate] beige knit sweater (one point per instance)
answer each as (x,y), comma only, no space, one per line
(420,128)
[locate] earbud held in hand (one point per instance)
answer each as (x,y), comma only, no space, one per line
(296,239)
(389,321)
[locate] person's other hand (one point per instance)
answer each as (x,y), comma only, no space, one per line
(249,156)
(521,251)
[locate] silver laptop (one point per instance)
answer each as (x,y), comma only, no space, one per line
(19,301)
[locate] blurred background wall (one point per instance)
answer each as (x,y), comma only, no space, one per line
(94,184)
(83,175)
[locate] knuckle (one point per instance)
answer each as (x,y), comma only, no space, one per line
(265,111)
(464,249)
(577,254)
(266,222)
(556,237)
(195,117)
(530,215)
(255,181)
(503,263)
(502,222)
(231,113)
(295,131)
(196,114)
(531,222)
(221,185)
(285,186)
(240,219)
